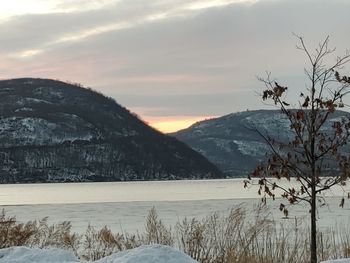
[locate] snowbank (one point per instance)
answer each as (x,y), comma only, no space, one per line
(149,254)
(143,254)
(35,255)
(344,260)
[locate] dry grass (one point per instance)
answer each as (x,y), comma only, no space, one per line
(236,236)
(36,234)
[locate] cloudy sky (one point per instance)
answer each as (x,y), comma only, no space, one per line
(170,61)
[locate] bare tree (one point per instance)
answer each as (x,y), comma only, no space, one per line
(315,154)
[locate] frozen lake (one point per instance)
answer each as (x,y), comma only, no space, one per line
(123,206)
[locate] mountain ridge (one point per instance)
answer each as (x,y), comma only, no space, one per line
(52,131)
(232,143)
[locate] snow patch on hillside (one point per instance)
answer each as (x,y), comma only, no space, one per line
(268,121)
(252,148)
(30,131)
(49,92)
(223,144)
(24,109)
(25,101)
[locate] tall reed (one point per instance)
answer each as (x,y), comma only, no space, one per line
(235,236)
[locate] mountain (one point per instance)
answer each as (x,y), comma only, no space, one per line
(51,131)
(232,141)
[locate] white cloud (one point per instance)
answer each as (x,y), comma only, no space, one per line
(12,8)
(204,4)
(79,36)
(27,53)
(82,5)
(20,7)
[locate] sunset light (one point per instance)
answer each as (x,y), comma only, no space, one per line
(168,125)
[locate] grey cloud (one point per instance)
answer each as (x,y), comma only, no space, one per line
(201,63)
(37,30)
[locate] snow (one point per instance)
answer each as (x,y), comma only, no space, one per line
(35,255)
(35,100)
(143,254)
(29,130)
(344,260)
(149,254)
(24,109)
(253,148)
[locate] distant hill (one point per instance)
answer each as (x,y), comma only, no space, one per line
(51,131)
(232,143)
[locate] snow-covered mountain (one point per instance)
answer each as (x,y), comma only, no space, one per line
(232,142)
(51,131)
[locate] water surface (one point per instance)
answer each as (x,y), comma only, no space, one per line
(123,206)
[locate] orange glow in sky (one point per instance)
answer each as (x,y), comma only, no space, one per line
(173,124)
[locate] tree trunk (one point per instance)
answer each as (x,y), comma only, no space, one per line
(313,245)
(312,137)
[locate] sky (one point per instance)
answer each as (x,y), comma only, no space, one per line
(172,62)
